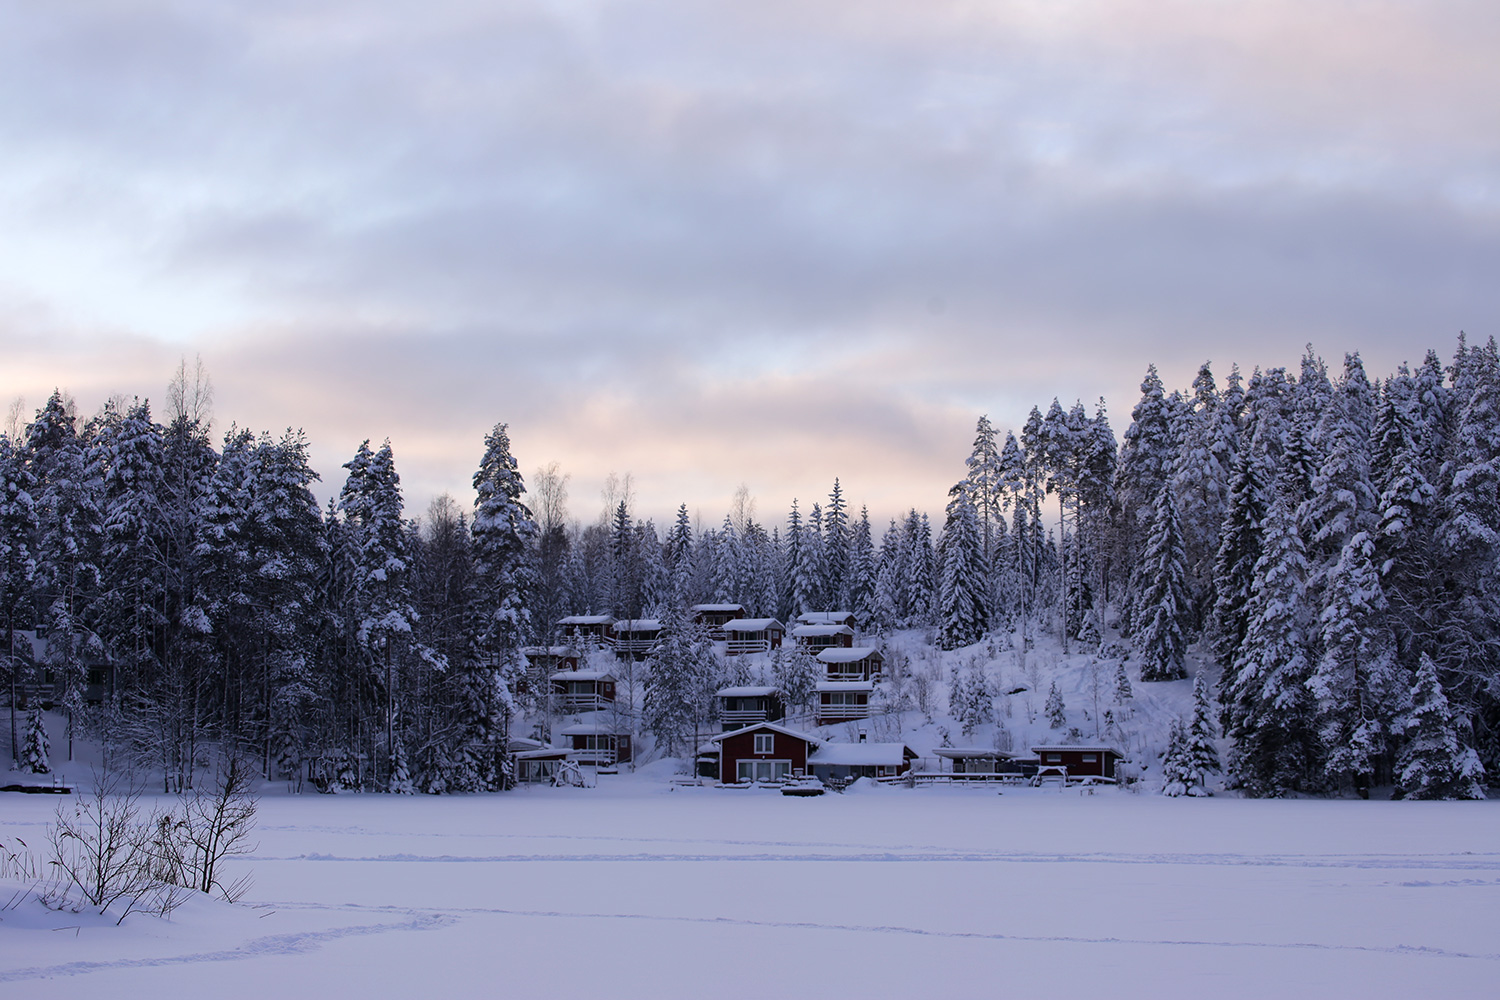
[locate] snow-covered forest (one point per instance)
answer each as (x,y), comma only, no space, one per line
(1327,538)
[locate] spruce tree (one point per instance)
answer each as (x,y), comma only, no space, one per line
(1055,710)
(1433,763)
(1267,707)
(1161,609)
(961,593)
(36,749)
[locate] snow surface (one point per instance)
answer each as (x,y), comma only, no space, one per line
(638,888)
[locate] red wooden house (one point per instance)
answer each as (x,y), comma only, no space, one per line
(636,637)
(1081,760)
(583,690)
(854,663)
(820,637)
(842,701)
(587,628)
(713,617)
(763,752)
(752,635)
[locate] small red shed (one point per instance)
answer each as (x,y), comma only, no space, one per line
(1081,760)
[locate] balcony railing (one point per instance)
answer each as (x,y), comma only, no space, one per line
(745,717)
(572,704)
(848,675)
(598,758)
(841,713)
(737,646)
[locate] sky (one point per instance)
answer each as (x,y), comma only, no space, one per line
(708,244)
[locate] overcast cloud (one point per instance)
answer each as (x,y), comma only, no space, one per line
(707,243)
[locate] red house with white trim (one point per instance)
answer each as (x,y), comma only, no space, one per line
(763,752)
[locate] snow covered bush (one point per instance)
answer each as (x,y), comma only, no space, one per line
(37,750)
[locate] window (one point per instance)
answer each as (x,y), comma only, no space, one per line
(765,743)
(1054,758)
(1091,758)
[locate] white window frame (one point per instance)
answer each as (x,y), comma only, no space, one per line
(765,743)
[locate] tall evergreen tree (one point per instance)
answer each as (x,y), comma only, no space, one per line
(1433,763)
(1162,610)
(961,593)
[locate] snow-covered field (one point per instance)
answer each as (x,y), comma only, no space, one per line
(633,889)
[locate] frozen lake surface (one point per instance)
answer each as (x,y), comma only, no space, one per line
(633,889)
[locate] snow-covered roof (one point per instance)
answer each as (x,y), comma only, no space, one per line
(546,753)
(745,692)
(861,754)
(972,753)
(587,620)
(583,675)
(845,686)
(826,617)
(549,651)
(848,654)
(752,625)
(638,625)
(804,631)
(588,729)
(1086,747)
(717,607)
(766,725)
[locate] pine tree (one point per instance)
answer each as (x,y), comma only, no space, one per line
(836,549)
(678,686)
(1356,681)
(1200,756)
(1162,610)
(970,700)
(961,594)
(863,580)
(1267,707)
(1123,690)
(1176,770)
(1433,763)
(36,750)
(1055,710)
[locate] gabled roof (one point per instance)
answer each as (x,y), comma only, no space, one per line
(745,692)
(587,620)
(825,617)
(802,631)
(638,625)
(767,725)
(717,607)
(752,625)
(848,654)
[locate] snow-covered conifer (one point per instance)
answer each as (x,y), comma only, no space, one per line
(961,593)
(1433,764)
(1161,609)
(36,749)
(1055,710)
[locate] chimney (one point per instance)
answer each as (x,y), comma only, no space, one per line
(861,735)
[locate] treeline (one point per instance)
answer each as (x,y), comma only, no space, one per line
(215,603)
(1329,539)
(1333,540)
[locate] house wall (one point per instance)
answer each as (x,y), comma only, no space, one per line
(742,747)
(1102,766)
